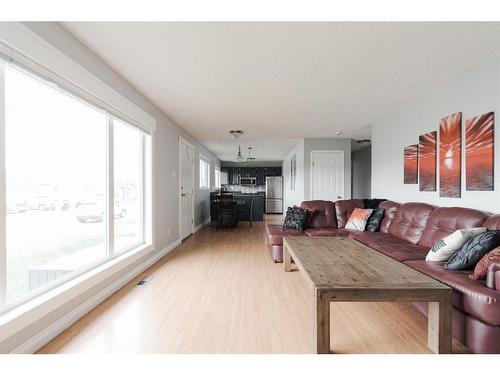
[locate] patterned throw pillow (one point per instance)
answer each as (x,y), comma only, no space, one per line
(375,219)
(295,218)
(482,266)
(473,250)
(446,247)
(311,211)
(358,219)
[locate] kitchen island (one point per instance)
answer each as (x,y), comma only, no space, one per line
(258,209)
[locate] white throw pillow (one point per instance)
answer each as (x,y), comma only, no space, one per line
(443,249)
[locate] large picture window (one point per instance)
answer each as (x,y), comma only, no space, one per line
(62,154)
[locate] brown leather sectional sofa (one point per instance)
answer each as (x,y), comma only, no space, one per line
(407,233)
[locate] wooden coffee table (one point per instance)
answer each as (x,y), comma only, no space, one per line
(342,269)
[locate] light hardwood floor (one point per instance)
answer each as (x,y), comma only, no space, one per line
(219,292)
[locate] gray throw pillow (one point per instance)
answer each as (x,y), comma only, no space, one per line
(473,250)
(373,223)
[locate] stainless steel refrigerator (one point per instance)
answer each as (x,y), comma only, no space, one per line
(274,195)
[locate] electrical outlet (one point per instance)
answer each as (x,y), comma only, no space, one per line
(168,231)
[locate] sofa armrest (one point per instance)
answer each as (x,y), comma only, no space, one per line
(493,276)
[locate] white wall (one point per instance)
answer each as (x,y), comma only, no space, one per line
(294,197)
(166,171)
(362,173)
(327,144)
(473,94)
(303,151)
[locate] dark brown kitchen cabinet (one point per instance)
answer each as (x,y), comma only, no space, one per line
(234,174)
(235,180)
(261,177)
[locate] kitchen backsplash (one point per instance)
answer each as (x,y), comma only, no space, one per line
(244,189)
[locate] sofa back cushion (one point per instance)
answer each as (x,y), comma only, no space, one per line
(324,215)
(493,222)
(344,209)
(446,220)
(410,221)
(390,209)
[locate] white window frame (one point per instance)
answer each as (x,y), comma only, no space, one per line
(147,182)
(217,178)
(204,159)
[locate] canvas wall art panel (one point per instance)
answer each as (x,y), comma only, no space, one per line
(479,152)
(293,171)
(450,156)
(427,151)
(410,158)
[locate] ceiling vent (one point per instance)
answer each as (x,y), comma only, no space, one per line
(363,141)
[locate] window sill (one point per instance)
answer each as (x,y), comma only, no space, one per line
(13,321)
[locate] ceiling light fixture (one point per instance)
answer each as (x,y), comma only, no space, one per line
(239,158)
(250,158)
(339,133)
(236,133)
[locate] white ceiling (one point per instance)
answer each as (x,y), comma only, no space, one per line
(283,81)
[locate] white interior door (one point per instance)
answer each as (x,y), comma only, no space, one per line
(327,175)
(186,176)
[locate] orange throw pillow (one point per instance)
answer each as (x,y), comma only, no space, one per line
(481,268)
(358,219)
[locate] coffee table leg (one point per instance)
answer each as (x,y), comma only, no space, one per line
(287,259)
(322,326)
(439,325)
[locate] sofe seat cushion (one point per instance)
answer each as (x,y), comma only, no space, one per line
(391,246)
(401,250)
(322,232)
(410,221)
(367,236)
(275,234)
(493,222)
(324,214)
(446,220)
(344,209)
(470,296)
(390,209)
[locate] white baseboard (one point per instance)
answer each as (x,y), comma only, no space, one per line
(49,333)
(196,229)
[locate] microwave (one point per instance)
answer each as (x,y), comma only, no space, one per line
(248,181)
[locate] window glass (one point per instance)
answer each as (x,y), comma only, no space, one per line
(128,185)
(56,149)
(217,178)
(204,174)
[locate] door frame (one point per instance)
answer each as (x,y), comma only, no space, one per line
(181,141)
(341,153)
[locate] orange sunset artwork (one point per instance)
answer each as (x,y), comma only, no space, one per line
(450,156)
(427,161)
(411,164)
(479,157)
